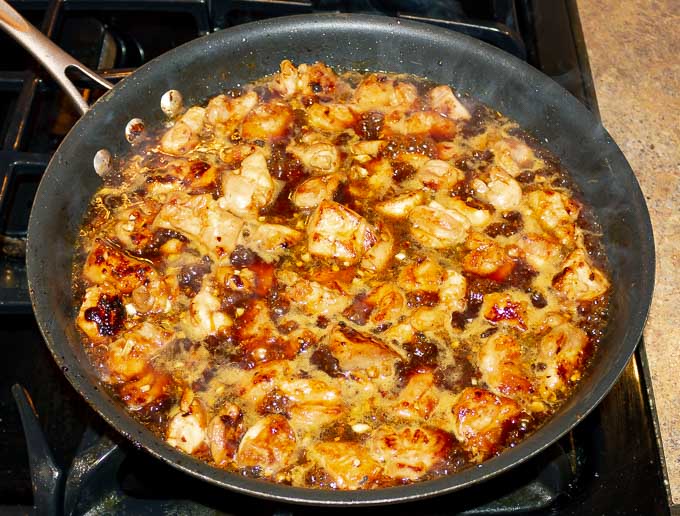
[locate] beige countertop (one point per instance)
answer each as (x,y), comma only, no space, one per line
(634,52)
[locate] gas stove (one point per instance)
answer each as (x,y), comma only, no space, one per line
(58,457)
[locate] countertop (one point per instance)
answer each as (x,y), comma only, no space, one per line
(634,53)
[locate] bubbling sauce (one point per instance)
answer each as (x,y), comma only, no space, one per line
(340,281)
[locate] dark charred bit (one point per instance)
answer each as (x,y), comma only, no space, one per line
(359,311)
(370,125)
(288,327)
(241,256)
(324,360)
(475,298)
(487,333)
(401,171)
(457,376)
(190,277)
(108,315)
(538,300)
(521,276)
(422,356)
(155,415)
(159,238)
(220,347)
(512,223)
(274,403)
(419,298)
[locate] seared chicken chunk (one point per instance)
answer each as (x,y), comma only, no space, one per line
(268,446)
(187,430)
(311,192)
(435,226)
(360,353)
(224,433)
(184,135)
(503,367)
(348,465)
(561,353)
(250,188)
(579,280)
(556,212)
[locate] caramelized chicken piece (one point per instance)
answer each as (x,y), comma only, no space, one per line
(541,252)
(305,79)
(481,419)
(311,402)
(250,188)
(388,304)
(268,446)
(330,117)
(498,189)
(410,452)
(422,274)
(129,355)
(107,265)
(562,353)
(184,135)
(381,92)
(270,241)
(436,174)
(335,231)
(419,398)
(400,206)
(427,123)
(453,291)
(502,309)
(101,314)
(133,229)
(224,433)
(503,368)
(312,191)
(436,227)
(205,316)
(313,298)
(360,353)
(487,258)
(478,217)
(579,280)
(364,150)
(445,102)
(513,156)
(319,157)
(371,180)
(348,465)
(267,122)
(555,212)
(225,114)
(187,429)
(234,155)
(150,388)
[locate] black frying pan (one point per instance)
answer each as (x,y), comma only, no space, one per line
(209,65)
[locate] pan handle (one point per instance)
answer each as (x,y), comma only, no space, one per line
(53,58)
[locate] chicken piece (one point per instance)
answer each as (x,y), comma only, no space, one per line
(313,298)
(249,189)
(487,258)
(447,151)
(150,388)
(555,212)
(330,117)
(561,355)
(187,429)
(513,156)
(133,229)
(452,292)
(579,280)
(418,398)
(268,446)
(436,174)
(312,191)
(234,155)
(312,402)
(267,122)
(410,452)
(129,356)
(481,420)
(224,433)
(503,369)
(539,251)
(502,309)
(306,79)
(436,227)
(371,180)
(421,274)
(319,157)
(443,100)
(270,241)
(388,304)
(335,231)
(427,123)
(380,92)
(107,265)
(400,206)
(361,354)
(478,217)
(498,189)
(364,150)
(348,465)
(101,314)
(200,216)
(205,316)
(225,114)
(154,296)
(379,256)
(184,135)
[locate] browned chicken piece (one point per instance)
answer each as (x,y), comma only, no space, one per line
(579,280)
(498,188)
(330,117)
(270,241)
(436,227)
(357,352)
(501,308)
(187,429)
(315,79)
(148,389)
(427,123)
(334,231)
(400,206)
(503,368)
(128,356)
(234,155)
(250,188)
(445,102)
(478,217)
(205,316)
(225,114)
(312,297)
(267,122)
(422,274)
(555,212)
(436,174)
(106,264)
(487,258)
(224,433)
(561,354)
(184,135)
(312,191)
(371,180)
(540,251)
(513,156)
(364,150)
(381,92)
(453,291)
(319,157)
(133,229)
(481,420)
(379,256)
(410,452)
(311,402)
(348,465)
(388,303)
(268,446)
(418,398)
(102,313)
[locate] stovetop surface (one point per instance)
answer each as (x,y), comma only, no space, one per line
(608,464)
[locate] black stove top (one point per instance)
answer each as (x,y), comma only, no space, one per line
(57,456)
